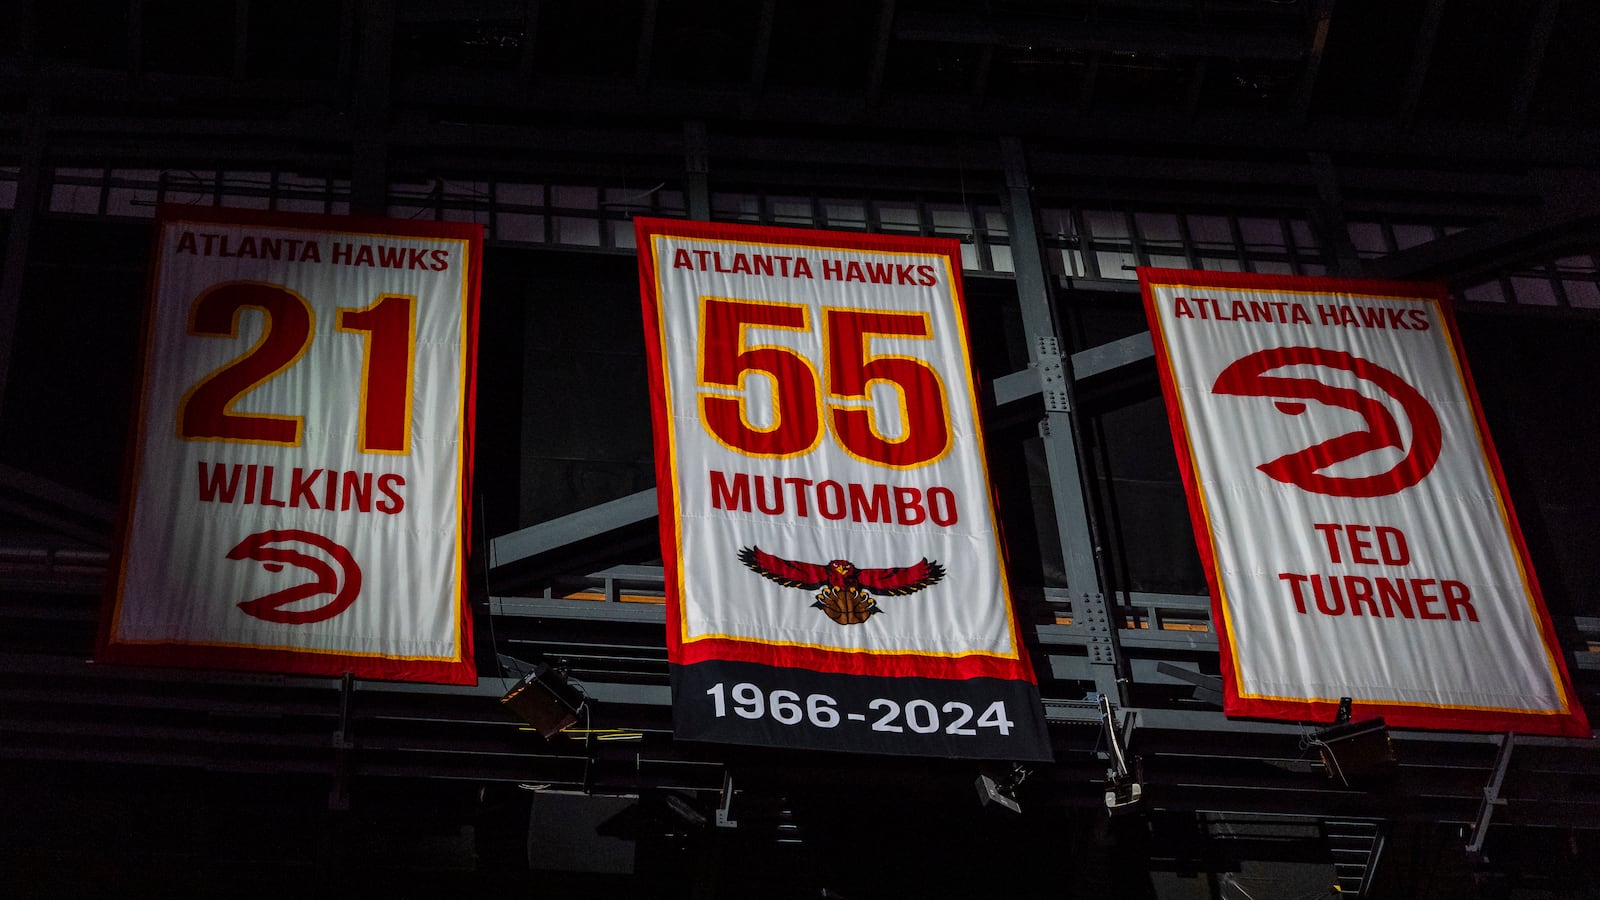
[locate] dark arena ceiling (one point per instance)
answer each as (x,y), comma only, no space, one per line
(1063,143)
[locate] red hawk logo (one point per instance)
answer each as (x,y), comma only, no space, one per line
(845,594)
(1247,377)
(274,550)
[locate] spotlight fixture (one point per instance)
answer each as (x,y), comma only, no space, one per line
(545,700)
(1352,751)
(1000,786)
(1125,790)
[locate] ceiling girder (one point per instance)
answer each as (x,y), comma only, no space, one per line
(880,52)
(1569,212)
(1316,47)
(548,547)
(1098,36)
(1544,25)
(1422,57)
(526,55)
(761,51)
(647,42)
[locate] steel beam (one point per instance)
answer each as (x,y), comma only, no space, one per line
(1001,31)
(23,17)
(369,153)
(1059,119)
(980,77)
(1316,45)
(1544,25)
(64,512)
(697,170)
(880,51)
(761,51)
(1421,59)
(1329,220)
(646,47)
(58,495)
(1014,387)
(14,264)
(526,55)
(1092,614)
(551,536)
(1112,356)
(241,37)
(1491,796)
(577,610)
(135,45)
(1569,214)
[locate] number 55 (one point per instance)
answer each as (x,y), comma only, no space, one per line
(727,358)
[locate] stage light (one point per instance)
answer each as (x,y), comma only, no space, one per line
(1000,786)
(544,700)
(1353,751)
(1124,798)
(1125,790)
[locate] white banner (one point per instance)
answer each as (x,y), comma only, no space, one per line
(1350,510)
(295,492)
(825,504)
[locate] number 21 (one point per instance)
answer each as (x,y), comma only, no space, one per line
(207,413)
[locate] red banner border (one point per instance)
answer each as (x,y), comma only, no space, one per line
(459,670)
(1573,723)
(910,664)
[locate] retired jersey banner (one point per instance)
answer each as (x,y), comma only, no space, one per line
(835,578)
(1351,512)
(295,490)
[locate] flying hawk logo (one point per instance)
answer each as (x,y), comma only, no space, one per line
(844,591)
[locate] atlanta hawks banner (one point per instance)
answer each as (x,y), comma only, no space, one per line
(294,499)
(834,574)
(1350,510)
